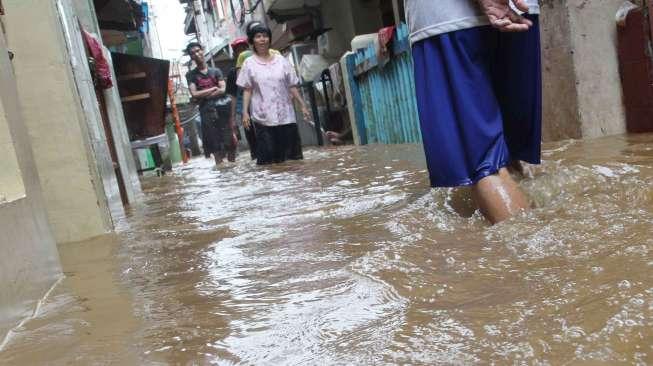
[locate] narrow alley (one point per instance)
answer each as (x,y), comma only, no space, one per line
(347,258)
(326,182)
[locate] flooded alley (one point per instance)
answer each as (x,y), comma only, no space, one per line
(349,258)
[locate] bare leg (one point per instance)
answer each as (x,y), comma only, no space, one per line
(218,159)
(516,167)
(499,197)
(231,156)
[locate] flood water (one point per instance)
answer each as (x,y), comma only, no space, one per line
(349,258)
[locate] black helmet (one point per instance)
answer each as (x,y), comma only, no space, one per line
(252,24)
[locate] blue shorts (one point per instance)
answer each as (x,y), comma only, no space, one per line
(479,96)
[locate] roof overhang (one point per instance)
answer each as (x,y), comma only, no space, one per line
(121,15)
(284,10)
(216,50)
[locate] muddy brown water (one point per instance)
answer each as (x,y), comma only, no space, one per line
(349,258)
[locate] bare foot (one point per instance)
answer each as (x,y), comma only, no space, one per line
(502,16)
(218,159)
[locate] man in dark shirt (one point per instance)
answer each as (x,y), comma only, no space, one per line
(207,85)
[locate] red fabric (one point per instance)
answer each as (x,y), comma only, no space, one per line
(102,68)
(385,36)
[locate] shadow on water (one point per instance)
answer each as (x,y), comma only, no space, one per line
(349,258)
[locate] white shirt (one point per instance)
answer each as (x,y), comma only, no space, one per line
(269,81)
(428,18)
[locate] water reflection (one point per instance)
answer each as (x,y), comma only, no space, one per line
(348,258)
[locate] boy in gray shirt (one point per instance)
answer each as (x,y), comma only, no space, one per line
(478,83)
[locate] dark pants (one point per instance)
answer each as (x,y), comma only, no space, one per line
(250,135)
(277,144)
(217,135)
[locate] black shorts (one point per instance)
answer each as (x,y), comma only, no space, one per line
(277,144)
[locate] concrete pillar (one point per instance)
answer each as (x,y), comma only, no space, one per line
(84,10)
(62,117)
(581,84)
(29,264)
(338,14)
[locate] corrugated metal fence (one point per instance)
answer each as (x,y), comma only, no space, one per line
(383,94)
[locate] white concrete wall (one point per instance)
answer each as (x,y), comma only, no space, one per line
(594,39)
(121,138)
(350,18)
(582,88)
(29,264)
(108,192)
(11,181)
(64,128)
(85,12)
(337,14)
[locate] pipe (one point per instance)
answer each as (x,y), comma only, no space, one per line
(175,117)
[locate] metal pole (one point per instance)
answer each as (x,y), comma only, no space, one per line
(326,76)
(175,117)
(316,114)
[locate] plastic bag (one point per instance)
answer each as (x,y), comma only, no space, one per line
(312,66)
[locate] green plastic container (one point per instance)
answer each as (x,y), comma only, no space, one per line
(175,150)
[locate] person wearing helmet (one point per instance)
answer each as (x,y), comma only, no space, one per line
(238,46)
(240,60)
(478,86)
(270,83)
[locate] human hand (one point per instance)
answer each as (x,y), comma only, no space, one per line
(503,18)
(247,121)
(308,116)
(215,92)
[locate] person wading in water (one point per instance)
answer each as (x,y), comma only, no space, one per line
(241,51)
(207,85)
(269,83)
(238,46)
(478,83)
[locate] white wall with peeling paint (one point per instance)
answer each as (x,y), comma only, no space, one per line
(29,264)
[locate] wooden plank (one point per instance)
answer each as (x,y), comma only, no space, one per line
(138,75)
(145,118)
(136,97)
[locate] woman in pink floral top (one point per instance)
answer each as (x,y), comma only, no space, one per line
(269,84)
